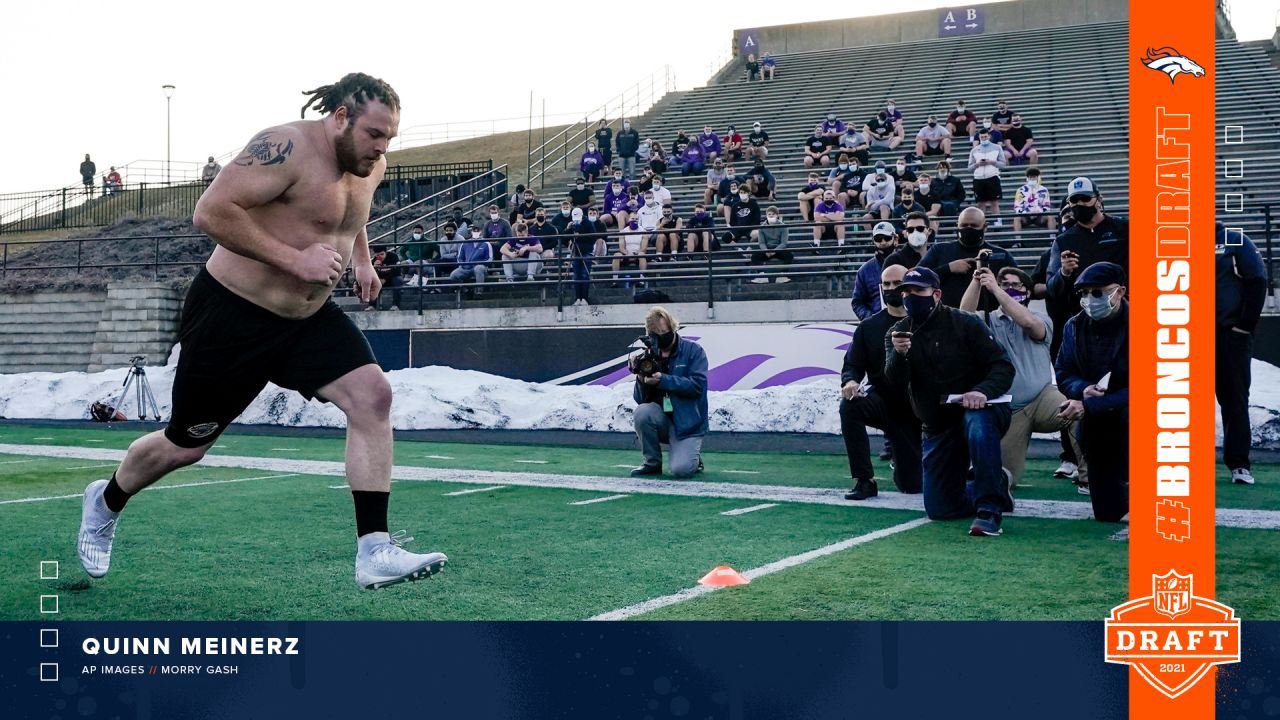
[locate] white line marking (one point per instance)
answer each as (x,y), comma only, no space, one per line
(338,487)
(285,449)
(17,462)
(773,567)
(741,472)
(89,467)
(42,438)
(629,467)
(155,487)
(438,457)
(593,501)
(753,508)
(95,441)
(531,462)
(474,490)
(1054,509)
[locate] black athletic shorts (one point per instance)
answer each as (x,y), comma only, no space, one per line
(987,189)
(231,348)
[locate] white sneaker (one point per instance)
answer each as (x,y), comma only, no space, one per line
(782,279)
(759,279)
(388,564)
(1067,471)
(1242,476)
(97,530)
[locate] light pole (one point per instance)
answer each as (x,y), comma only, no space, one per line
(168,97)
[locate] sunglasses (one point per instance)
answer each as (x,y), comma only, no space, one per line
(882,238)
(1012,286)
(1079,199)
(1095,292)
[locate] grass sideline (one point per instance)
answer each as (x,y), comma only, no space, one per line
(526,553)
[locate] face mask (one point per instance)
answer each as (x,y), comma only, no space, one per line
(617,189)
(633,225)
(901,167)
(959,108)
(889,107)
(1016,123)
(1083,213)
(844,166)
(971,237)
(493,216)
(924,188)
(773,218)
(1098,308)
(933,123)
(917,238)
(565,211)
(891,298)
(666,213)
(831,118)
(943,174)
(581,185)
(907,200)
(475,236)
(1033,182)
(592,218)
(617,177)
(986,124)
(700,214)
(626,126)
(657,185)
(744,196)
(919,307)
(417,236)
(1018,296)
(984,140)
(540,218)
(666,339)
(591,148)
(650,202)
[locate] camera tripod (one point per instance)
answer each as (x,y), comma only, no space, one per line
(137,378)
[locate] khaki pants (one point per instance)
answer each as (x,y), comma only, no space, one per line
(1040,415)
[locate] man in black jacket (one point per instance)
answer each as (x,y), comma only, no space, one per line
(628,143)
(604,141)
(1094,237)
(1242,290)
(952,369)
(877,402)
(954,262)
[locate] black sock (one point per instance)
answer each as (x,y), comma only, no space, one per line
(371,511)
(114,496)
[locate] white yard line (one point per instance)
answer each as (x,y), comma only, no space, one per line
(773,567)
(17,462)
(156,487)
(593,501)
(285,449)
(740,472)
(531,462)
(90,467)
(1054,509)
(474,490)
(745,510)
(438,457)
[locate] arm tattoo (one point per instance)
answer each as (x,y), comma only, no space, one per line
(264,150)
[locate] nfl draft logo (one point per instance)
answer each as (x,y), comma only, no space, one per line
(1171,62)
(1172,637)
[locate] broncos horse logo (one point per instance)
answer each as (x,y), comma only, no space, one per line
(1171,62)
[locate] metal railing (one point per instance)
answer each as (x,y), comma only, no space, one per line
(483,189)
(554,153)
(72,207)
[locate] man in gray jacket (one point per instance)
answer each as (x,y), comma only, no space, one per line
(773,246)
(671,401)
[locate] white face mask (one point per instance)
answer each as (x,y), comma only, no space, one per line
(581,185)
(917,238)
(986,123)
(592,218)
(626,126)
(1033,182)
(1098,308)
(943,174)
(493,216)
(657,185)
(924,188)
(591,148)
(475,236)
(744,196)
(901,167)
(650,202)
(773,218)
(417,236)
(564,211)
(889,107)
(959,108)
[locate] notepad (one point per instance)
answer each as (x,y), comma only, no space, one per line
(955,399)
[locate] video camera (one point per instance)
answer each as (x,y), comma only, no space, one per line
(648,363)
(138,361)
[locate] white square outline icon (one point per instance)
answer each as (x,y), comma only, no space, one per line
(54,611)
(1233,202)
(1233,168)
(49,563)
(48,666)
(49,632)
(1227,132)
(1234,232)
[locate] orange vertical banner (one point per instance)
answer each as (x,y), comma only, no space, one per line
(1171,632)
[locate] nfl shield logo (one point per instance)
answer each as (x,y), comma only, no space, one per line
(1171,594)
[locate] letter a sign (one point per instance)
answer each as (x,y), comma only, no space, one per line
(960,21)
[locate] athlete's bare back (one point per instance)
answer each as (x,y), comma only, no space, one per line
(289,212)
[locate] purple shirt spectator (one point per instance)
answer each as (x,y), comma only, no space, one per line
(710,142)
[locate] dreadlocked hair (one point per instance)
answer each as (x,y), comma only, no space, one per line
(353,91)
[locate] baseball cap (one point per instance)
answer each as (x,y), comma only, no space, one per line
(1082,186)
(1101,274)
(879,165)
(883,228)
(921,277)
(576,214)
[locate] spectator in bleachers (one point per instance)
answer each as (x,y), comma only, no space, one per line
(928,195)
(856,144)
(660,191)
(768,67)
(450,242)
(961,121)
(732,143)
(985,161)
(743,213)
(657,159)
(877,402)
(816,150)
(726,202)
(950,190)
(604,141)
(1025,335)
(830,213)
(649,214)
(420,253)
(906,204)
(527,208)
(902,173)
(643,153)
(616,211)
(1019,144)
(700,229)
(592,164)
(497,228)
(753,67)
(620,177)
(773,246)
(88,170)
(710,143)
(113,182)
(933,139)
(669,227)
(877,195)
(954,262)
(616,186)
(210,171)
(881,132)
(387,265)
(1094,237)
(515,197)
(996,136)
(589,233)
(916,235)
(646,180)
(846,180)
(582,196)
(866,284)
(936,352)
(1093,372)
(633,246)
(760,181)
(1241,284)
(894,115)
(693,160)
(833,127)
(810,194)
(628,145)
(545,232)
(724,192)
(1032,206)
(522,253)
(460,221)
(757,142)
(716,174)
(1002,118)
(678,146)
(473,259)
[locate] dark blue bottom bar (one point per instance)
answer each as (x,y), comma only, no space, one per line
(729,670)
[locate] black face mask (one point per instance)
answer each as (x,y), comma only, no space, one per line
(1083,213)
(971,237)
(892,298)
(666,340)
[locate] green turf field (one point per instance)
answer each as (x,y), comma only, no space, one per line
(252,543)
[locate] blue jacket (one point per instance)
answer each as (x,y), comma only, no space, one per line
(1091,349)
(685,383)
(866,289)
(1241,282)
(474,252)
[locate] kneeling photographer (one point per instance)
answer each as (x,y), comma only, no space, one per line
(671,396)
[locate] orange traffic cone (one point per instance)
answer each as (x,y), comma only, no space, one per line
(723,576)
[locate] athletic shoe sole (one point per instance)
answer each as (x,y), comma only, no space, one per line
(979,532)
(1242,481)
(419,574)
